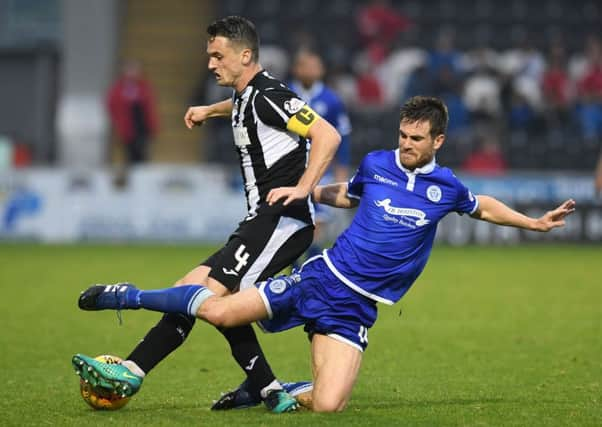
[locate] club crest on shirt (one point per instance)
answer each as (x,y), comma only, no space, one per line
(293,105)
(433,193)
(277,286)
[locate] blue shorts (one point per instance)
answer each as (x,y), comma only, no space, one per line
(321,302)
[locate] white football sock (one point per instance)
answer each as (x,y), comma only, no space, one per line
(198,299)
(274,385)
(132,366)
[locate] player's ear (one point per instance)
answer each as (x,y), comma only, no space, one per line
(247,54)
(439,140)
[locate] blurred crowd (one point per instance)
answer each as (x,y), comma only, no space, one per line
(500,100)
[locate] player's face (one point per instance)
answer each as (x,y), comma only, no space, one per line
(416,145)
(226,61)
(308,69)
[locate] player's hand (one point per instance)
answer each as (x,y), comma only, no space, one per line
(196,116)
(555,218)
(289,194)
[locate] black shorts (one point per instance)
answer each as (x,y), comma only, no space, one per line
(259,248)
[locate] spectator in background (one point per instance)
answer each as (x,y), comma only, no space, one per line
(369,92)
(444,56)
(522,69)
(580,62)
(399,67)
(132,109)
(521,115)
(378,25)
(308,72)
(448,87)
(486,159)
(482,94)
(556,85)
(419,82)
(589,88)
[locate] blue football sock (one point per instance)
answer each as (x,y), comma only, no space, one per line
(180,299)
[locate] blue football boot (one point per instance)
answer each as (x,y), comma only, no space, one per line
(105,297)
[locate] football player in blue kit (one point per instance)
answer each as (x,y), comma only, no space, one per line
(401,196)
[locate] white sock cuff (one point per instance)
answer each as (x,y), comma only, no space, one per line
(274,385)
(198,299)
(134,368)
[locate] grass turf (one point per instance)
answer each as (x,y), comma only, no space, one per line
(487,336)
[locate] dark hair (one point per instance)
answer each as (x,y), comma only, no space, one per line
(238,30)
(426,108)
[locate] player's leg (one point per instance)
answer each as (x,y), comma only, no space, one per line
(264,246)
(126,378)
(172,330)
(241,308)
(337,318)
(335,367)
(165,337)
(243,341)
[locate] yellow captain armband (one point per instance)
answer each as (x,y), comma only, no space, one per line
(302,121)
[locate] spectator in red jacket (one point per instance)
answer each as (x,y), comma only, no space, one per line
(379,22)
(556,80)
(132,109)
(487,159)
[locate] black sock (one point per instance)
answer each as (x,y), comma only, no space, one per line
(247,352)
(162,339)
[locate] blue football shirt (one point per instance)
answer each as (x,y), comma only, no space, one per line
(388,243)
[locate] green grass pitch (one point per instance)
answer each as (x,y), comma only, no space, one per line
(486,337)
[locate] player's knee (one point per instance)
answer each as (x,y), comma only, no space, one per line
(214,312)
(197,276)
(328,404)
(188,279)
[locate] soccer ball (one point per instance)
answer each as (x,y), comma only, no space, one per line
(99,398)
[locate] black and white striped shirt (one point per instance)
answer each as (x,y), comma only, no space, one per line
(270,155)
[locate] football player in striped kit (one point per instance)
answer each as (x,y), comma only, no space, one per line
(271,125)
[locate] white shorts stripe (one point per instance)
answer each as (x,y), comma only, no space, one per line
(265,300)
(345,341)
(352,285)
(284,230)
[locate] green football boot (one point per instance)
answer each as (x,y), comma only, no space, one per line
(279,401)
(111,376)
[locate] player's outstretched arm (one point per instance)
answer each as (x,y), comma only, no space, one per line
(196,116)
(324,143)
(496,212)
(334,195)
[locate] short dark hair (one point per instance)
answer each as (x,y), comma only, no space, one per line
(239,30)
(426,108)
